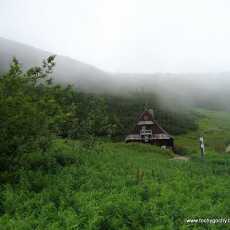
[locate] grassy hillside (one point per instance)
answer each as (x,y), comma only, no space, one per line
(214,126)
(62,184)
(114,186)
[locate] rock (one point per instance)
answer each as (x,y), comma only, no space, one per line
(227,150)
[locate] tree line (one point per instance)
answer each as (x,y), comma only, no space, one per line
(34,110)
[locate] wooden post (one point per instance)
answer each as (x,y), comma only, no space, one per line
(202,149)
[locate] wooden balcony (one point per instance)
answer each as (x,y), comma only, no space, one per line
(146,133)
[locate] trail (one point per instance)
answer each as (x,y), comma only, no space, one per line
(182,158)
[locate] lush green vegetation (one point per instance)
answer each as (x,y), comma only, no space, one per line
(61,169)
(125,111)
(33,109)
(214,126)
(114,186)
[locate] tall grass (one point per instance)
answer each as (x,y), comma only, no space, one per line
(114,186)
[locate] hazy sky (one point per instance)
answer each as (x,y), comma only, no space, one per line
(126,35)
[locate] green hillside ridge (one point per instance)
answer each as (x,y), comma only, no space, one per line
(105,185)
(61,168)
(214,126)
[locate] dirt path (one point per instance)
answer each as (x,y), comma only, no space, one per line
(182,158)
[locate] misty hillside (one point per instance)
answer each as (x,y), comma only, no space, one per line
(204,90)
(67,70)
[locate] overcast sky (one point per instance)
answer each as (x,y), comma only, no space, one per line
(126,35)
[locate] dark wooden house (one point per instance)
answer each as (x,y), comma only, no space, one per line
(147,130)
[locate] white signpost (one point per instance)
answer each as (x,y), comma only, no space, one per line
(202,149)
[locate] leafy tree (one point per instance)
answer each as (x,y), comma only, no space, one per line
(32,109)
(24,124)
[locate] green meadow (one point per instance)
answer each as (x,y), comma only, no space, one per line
(61,168)
(214,126)
(105,185)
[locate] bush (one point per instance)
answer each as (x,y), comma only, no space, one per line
(181,150)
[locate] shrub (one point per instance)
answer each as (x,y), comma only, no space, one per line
(180,150)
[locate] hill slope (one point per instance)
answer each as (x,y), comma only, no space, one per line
(201,90)
(67,70)
(114,186)
(214,126)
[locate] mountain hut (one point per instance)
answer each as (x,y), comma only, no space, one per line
(148,130)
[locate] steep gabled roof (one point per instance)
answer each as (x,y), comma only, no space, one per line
(163,130)
(149,119)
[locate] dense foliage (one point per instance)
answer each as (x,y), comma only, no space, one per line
(32,109)
(24,123)
(114,186)
(77,182)
(124,112)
